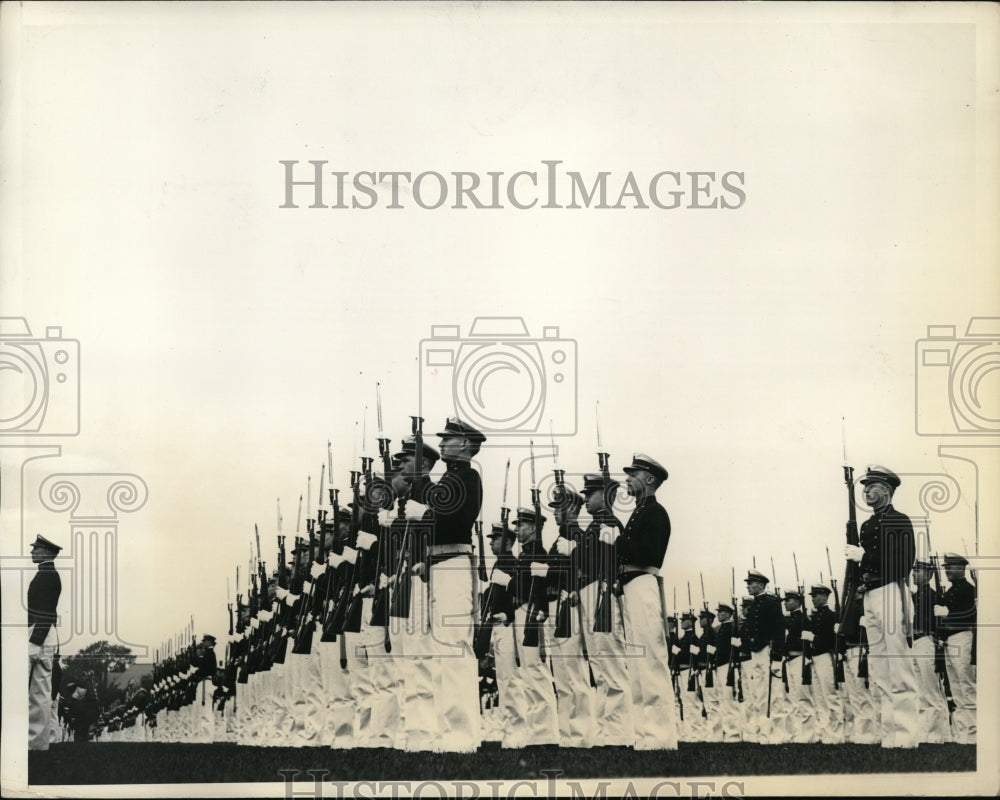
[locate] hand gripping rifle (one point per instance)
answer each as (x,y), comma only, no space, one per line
(484,630)
(806,644)
(839,642)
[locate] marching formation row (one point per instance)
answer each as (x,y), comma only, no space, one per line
(382,631)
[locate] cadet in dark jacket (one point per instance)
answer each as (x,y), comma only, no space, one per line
(454,501)
(762,638)
(43,643)
(641,549)
(827,696)
(886,556)
(957,624)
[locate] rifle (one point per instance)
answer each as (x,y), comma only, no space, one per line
(484,630)
(563,625)
(709,658)
(806,645)
(675,670)
(352,601)
(603,621)
(849,612)
(940,668)
(533,635)
(840,642)
(332,590)
(380,605)
(305,628)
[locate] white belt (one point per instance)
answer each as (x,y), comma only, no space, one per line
(634,568)
(449,549)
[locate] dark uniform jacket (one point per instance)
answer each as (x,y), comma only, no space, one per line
(887,538)
(563,570)
(501,599)
(596,560)
(821,622)
(682,655)
(43,597)
(764,626)
(526,590)
(723,643)
(644,542)
(455,501)
(793,632)
(961,601)
(708,637)
(924,600)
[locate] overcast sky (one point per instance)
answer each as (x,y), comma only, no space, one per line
(224,340)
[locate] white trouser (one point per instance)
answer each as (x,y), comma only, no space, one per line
(454,665)
(40,658)
(527,696)
(338,730)
(932,706)
(575,697)
(757,673)
(652,692)
(861,711)
(413,641)
(962,676)
(829,701)
(800,719)
(891,665)
(382,721)
(613,698)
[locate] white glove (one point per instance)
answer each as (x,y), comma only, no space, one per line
(254,622)
(281,593)
(565,546)
(500,578)
(334,560)
(853,553)
(500,617)
(350,555)
(710,649)
(366,540)
(539,570)
(675,649)
(317,569)
(808,636)
(34,649)
(355,591)
(836,627)
(608,534)
(736,641)
(306,587)
(264,616)
(290,599)
(383,581)
(695,649)
(940,611)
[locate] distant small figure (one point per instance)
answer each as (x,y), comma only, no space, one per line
(43,642)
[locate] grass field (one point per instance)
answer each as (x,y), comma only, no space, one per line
(117,762)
